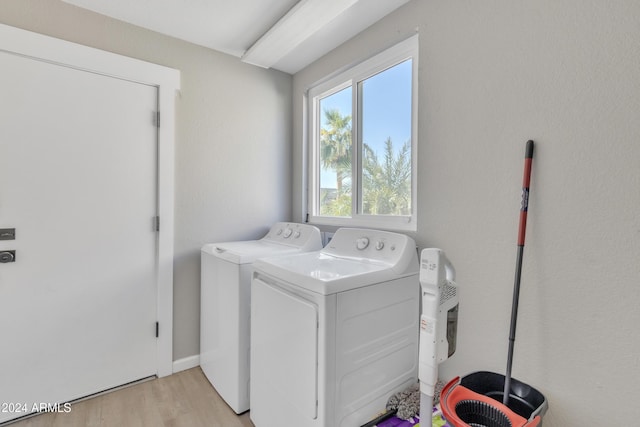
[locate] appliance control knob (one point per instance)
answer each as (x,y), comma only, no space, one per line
(279,232)
(379,245)
(362,243)
(296,235)
(287,233)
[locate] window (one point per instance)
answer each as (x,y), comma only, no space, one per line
(363,141)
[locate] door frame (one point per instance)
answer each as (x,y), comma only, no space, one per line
(167,81)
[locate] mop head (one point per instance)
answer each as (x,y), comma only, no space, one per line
(436,395)
(407,402)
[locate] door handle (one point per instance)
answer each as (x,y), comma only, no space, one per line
(7,256)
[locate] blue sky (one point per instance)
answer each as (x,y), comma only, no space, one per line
(386,110)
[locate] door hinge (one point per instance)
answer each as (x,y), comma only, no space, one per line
(157,329)
(156,119)
(156,223)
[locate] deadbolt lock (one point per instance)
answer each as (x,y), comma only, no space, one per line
(7,256)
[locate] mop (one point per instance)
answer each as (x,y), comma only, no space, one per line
(474,399)
(403,408)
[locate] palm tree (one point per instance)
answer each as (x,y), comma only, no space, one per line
(335,145)
(386,186)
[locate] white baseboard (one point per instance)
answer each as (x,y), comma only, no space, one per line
(186,363)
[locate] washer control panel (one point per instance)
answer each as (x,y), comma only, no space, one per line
(300,235)
(372,246)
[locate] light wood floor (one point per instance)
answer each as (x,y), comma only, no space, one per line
(183,399)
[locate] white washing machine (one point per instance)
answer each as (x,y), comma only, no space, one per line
(225,300)
(334,333)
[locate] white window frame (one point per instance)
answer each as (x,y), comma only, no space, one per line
(407,49)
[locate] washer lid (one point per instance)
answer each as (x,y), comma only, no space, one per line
(283,238)
(326,274)
(354,258)
(248,251)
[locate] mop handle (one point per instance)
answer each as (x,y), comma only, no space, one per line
(528,158)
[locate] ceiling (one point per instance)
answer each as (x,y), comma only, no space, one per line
(234,26)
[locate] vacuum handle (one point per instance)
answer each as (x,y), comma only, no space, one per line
(450,272)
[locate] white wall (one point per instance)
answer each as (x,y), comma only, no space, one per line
(492,75)
(233,136)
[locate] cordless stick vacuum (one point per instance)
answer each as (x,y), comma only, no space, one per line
(438,322)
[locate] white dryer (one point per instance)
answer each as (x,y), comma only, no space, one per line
(225,300)
(334,333)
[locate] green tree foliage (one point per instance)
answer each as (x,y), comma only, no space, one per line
(386,182)
(335,145)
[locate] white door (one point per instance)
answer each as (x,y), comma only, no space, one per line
(78,161)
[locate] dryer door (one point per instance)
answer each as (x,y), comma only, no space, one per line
(284,353)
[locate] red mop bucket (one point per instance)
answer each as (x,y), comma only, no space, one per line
(475,401)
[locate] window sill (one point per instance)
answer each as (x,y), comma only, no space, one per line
(384,223)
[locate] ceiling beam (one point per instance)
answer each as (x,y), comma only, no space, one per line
(302,21)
